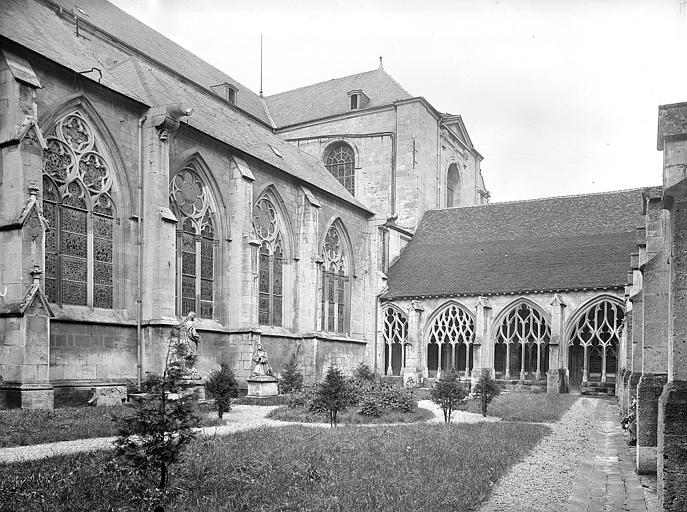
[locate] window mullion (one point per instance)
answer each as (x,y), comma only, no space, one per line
(198,240)
(90,256)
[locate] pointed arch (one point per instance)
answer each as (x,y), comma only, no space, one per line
(592,335)
(337,270)
(80,196)
(521,336)
(395,335)
(449,337)
(198,234)
(272,228)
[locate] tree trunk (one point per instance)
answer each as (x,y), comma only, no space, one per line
(163,475)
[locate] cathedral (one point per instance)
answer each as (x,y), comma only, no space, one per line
(344,222)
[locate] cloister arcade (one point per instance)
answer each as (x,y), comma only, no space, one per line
(517,338)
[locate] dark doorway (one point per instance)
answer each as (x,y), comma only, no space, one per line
(575,367)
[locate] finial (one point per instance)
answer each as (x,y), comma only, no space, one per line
(36,273)
(33,189)
(381,66)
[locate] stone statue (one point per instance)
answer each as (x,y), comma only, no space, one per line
(261,361)
(183,347)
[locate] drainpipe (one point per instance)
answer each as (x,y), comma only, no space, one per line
(139,256)
(377,297)
(439,169)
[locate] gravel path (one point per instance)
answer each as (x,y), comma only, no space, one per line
(543,480)
(241,417)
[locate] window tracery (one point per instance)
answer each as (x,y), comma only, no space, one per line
(340,160)
(525,335)
(77,182)
(450,341)
(335,283)
(594,341)
(395,335)
(270,262)
(196,242)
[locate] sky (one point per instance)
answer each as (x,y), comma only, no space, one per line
(559,96)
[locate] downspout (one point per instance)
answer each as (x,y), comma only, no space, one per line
(439,121)
(377,297)
(139,257)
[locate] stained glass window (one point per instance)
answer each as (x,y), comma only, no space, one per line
(335,283)
(271,262)
(340,160)
(196,242)
(76,203)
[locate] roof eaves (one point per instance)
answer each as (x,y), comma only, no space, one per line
(325,119)
(391,296)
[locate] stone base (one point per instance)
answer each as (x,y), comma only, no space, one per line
(263,386)
(649,390)
(411,377)
(557,381)
(193,387)
(672,448)
(26,396)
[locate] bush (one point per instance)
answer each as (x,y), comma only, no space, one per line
(363,373)
(153,437)
(292,377)
(222,385)
(486,389)
(629,423)
(332,394)
(370,407)
(302,398)
(449,394)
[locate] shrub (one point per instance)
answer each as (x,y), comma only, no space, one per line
(485,390)
(629,423)
(222,385)
(363,373)
(153,437)
(292,377)
(449,394)
(370,407)
(332,394)
(397,398)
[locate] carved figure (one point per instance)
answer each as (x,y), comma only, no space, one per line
(261,361)
(183,346)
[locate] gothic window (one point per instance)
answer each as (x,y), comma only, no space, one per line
(340,160)
(453,186)
(335,283)
(76,185)
(270,262)
(594,341)
(522,343)
(395,338)
(196,242)
(451,336)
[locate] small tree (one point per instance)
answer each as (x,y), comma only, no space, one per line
(222,385)
(153,437)
(449,394)
(485,390)
(363,373)
(332,394)
(291,377)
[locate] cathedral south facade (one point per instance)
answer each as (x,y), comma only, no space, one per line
(140,185)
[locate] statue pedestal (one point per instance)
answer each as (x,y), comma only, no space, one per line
(193,387)
(263,385)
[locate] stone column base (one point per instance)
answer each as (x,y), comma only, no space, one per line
(557,381)
(26,396)
(649,389)
(624,397)
(672,448)
(263,386)
(631,386)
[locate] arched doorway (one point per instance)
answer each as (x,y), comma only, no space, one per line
(593,343)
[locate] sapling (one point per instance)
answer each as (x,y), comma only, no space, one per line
(222,385)
(485,390)
(449,394)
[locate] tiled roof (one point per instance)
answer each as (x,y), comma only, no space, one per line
(331,97)
(556,243)
(36,26)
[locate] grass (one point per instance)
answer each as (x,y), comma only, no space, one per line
(408,467)
(350,416)
(268,400)
(528,407)
(21,427)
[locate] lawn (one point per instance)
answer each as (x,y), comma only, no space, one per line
(408,467)
(350,416)
(529,407)
(21,427)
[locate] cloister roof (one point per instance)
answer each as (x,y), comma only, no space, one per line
(556,243)
(136,61)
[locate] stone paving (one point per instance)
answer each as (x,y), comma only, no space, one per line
(606,480)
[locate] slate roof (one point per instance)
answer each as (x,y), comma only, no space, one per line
(330,98)
(37,26)
(557,243)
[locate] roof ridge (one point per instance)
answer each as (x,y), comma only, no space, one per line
(588,194)
(327,81)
